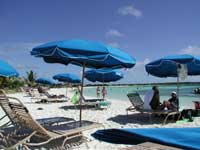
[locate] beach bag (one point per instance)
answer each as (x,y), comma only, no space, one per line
(197,108)
(196,104)
(188,114)
(75,98)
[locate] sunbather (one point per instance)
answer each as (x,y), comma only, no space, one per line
(104,92)
(41,90)
(98,91)
(172,103)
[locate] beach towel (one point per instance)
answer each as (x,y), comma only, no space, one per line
(147,99)
(185,138)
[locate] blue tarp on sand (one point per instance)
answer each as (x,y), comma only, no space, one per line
(186,138)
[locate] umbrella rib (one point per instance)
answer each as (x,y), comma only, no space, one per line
(161,62)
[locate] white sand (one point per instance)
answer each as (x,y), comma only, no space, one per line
(113,117)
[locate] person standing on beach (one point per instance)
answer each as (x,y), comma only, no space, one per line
(155,102)
(104,92)
(98,91)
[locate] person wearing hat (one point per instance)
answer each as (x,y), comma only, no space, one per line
(173,102)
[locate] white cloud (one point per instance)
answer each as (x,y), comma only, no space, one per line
(114,33)
(137,74)
(114,44)
(193,50)
(129,10)
(26,66)
(142,63)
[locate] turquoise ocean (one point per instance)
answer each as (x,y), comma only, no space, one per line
(186,92)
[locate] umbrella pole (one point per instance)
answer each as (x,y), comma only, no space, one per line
(82,83)
(66,89)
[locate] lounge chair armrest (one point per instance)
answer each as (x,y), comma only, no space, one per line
(14,98)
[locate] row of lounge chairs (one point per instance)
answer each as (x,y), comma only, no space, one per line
(45,97)
(33,133)
(150,146)
(36,133)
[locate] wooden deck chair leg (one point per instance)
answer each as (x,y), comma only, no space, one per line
(150,117)
(22,142)
(165,120)
(85,141)
(179,116)
(68,138)
(170,114)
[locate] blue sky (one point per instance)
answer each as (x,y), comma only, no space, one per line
(146,29)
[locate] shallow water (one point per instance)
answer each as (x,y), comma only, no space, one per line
(186,94)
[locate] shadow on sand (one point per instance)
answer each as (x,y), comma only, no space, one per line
(78,107)
(136,118)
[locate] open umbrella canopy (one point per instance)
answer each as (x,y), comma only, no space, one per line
(103,75)
(80,52)
(167,66)
(66,77)
(7,70)
(44,81)
(83,53)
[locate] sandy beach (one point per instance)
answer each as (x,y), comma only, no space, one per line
(113,117)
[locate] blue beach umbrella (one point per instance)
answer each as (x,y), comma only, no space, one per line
(68,78)
(44,81)
(7,70)
(103,75)
(83,53)
(168,66)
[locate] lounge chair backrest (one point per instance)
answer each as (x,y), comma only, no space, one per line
(19,115)
(135,100)
(4,104)
(47,94)
(26,120)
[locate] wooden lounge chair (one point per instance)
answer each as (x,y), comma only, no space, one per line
(4,103)
(29,92)
(65,131)
(150,146)
(47,98)
(8,113)
(43,91)
(48,133)
(137,105)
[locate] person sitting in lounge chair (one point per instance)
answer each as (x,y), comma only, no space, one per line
(41,90)
(172,103)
